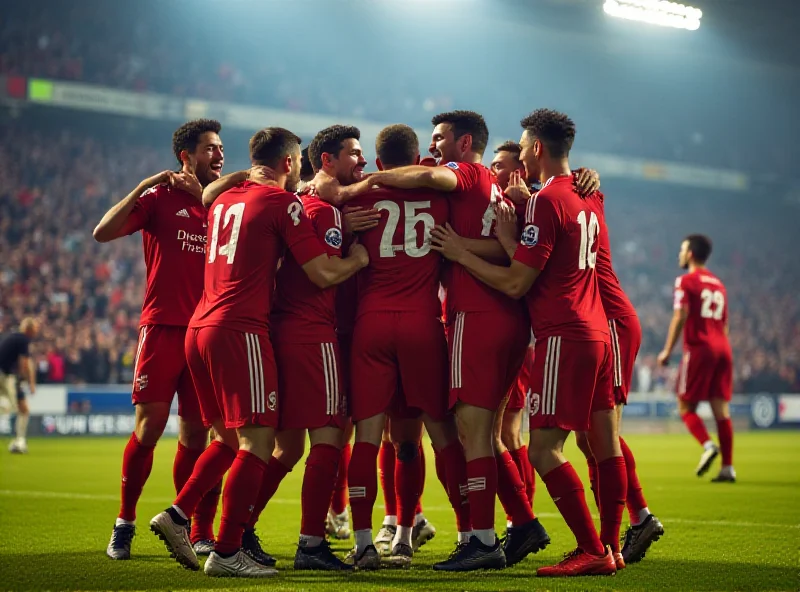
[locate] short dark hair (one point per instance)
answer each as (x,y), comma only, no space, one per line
(187,136)
(700,247)
(306,170)
(509,146)
(330,140)
(466,122)
(397,145)
(553,129)
(271,145)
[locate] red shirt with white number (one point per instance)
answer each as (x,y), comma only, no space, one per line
(302,312)
(173,225)
(560,238)
(403,274)
(705,296)
(250,227)
(472,216)
(615,302)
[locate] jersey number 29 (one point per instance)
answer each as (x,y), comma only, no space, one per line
(235,211)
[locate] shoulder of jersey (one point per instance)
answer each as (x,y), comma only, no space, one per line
(157,190)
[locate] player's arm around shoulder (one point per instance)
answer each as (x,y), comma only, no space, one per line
(440,178)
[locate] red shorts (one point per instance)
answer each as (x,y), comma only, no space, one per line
(626,338)
(705,374)
(399,365)
(235,376)
(160,370)
(518,395)
(570,380)
(310,391)
(486,353)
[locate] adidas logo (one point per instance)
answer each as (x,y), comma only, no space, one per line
(183,213)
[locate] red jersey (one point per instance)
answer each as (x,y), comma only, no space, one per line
(615,301)
(403,275)
(560,239)
(472,216)
(249,228)
(302,312)
(705,296)
(173,225)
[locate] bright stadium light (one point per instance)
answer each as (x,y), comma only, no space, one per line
(656,12)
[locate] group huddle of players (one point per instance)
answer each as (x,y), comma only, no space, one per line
(390,301)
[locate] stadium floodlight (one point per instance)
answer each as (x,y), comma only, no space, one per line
(656,12)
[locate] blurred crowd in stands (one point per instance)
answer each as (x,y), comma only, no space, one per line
(55,184)
(388,75)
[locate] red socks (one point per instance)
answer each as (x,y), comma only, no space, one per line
(696,427)
(208,472)
(635,498)
(386,472)
(591,463)
(137,461)
(273,476)
(566,489)
(520,457)
(511,490)
(451,466)
(363,484)
(613,482)
(421,477)
(318,482)
(339,499)
(241,490)
(182,467)
(481,490)
(408,477)
(725,433)
(204,513)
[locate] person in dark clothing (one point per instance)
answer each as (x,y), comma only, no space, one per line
(15,360)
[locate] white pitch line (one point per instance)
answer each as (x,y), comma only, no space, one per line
(292,501)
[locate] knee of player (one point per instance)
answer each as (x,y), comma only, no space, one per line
(407,451)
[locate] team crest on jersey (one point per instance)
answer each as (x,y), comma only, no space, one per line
(141,382)
(452,165)
(272,401)
(334,238)
(530,235)
(535,398)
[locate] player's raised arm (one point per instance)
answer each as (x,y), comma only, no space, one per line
(514,281)
(416,177)
(679,316)
(115,223)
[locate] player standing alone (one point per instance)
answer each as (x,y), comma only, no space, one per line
(706,371)
(16,360)
(173,226)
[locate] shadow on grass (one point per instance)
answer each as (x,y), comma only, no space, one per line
(92,571)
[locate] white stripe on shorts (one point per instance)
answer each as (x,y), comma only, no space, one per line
(455,362)
(612,325)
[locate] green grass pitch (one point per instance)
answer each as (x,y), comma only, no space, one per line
(58,504)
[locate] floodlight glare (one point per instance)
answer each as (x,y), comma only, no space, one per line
(656,12)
